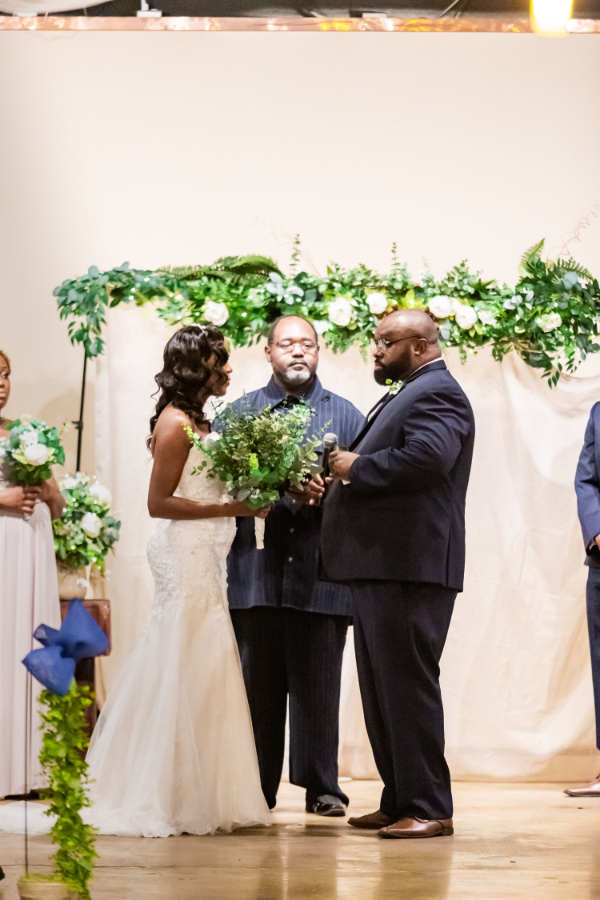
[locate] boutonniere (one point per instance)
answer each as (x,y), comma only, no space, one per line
(393,386)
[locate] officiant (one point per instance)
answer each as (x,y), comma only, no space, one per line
(290,627)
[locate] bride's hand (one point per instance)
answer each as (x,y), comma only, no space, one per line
(241,508)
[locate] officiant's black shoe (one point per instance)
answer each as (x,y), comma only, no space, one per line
(326,805)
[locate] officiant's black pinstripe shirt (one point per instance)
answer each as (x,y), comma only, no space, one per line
(285,572)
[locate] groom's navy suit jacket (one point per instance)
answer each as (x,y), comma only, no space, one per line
(587,487)
(402,517)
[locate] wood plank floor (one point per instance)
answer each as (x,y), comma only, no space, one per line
(511,841)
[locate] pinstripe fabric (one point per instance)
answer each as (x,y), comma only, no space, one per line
(285,572)
(288,651)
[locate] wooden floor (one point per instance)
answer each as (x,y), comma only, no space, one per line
(525,841)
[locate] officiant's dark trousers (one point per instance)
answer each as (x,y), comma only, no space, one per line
(400,628)
(293,652)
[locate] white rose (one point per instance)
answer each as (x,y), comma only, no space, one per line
(440,306)
(466,317)
(377,303)
(550,321)
(321,325)
(101,493)
(29,437)
(216,313)
(91,524)
(456,305)
(211,438)
(340,312)
(36,454)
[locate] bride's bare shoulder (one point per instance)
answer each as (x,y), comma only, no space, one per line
(171,426)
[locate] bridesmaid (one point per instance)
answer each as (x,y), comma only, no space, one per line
(28,597)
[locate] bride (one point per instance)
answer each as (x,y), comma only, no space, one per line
(173,750)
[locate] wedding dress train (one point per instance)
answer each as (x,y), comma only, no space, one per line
(173,750)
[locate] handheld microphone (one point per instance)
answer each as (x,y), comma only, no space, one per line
(330,443)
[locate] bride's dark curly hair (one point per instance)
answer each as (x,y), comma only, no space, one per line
(185,373)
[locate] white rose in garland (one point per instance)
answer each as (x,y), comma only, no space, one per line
(340,312)
(466,317)
(36,454)
(216,313)
(321,325)
(377,303)
(440,306)
(549,322)
(91,524)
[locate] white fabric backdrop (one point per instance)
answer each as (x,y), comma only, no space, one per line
(516,677)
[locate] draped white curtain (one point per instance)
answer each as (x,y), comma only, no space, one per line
(515,671)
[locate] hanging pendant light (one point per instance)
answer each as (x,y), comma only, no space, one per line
(550,18)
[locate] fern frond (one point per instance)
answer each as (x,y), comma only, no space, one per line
(248,265)
(531,256)
(569,265)
(190,273)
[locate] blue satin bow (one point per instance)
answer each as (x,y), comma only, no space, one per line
(78,637)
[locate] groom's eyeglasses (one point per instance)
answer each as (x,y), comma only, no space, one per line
(382,344)
(307,346)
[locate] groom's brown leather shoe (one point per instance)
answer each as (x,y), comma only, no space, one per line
(586,790)
(418,828)
(374,820)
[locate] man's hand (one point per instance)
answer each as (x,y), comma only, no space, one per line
(597,540)
(309,492)
(340,462)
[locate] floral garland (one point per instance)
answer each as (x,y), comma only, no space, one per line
(551,318)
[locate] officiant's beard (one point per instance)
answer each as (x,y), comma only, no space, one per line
(294,378)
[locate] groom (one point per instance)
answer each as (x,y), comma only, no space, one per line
(394,530)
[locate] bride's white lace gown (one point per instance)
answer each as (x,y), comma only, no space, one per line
(173,750)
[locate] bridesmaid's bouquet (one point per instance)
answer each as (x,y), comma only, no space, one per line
(30,449)
(259,452)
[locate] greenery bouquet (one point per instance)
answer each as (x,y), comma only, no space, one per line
(30,449)
(259,451)
(87,530)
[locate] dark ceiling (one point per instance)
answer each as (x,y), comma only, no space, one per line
(583,9)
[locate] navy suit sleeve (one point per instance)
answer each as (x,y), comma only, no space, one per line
(434,431)
(587,486)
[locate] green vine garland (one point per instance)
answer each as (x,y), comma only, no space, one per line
(62,758)
(551,318)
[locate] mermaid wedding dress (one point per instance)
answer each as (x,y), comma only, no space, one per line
(173,750)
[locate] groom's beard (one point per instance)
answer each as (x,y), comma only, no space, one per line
(393,372)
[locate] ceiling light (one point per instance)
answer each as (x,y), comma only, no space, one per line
(551,17)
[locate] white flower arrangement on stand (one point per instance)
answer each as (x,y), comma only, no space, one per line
(84,534)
